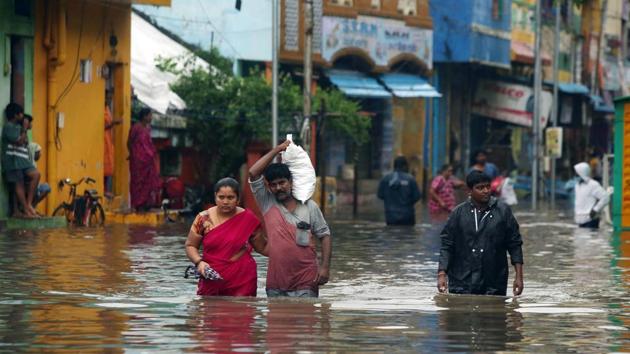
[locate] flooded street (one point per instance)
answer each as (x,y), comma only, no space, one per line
(122,289)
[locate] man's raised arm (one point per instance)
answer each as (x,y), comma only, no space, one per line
(257,169)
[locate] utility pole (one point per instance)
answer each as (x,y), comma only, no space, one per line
(308,73)
(536,113)
(321,161)
(602,27)
(554,107)
(275,9)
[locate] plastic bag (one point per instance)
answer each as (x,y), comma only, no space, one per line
(302,171)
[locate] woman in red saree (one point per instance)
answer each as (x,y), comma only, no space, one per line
(144,177)
(228,234)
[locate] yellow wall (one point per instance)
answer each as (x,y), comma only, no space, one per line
(79,149)
(408,119)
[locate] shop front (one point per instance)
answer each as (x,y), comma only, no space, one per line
(390,84)
(502,122)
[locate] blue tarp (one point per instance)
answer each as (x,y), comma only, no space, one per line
(599,105)
(407,85)
(356,84)
(577,89)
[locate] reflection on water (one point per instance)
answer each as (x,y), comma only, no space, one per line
(122,288)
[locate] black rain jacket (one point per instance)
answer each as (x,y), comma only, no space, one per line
(400,193)
(473,252)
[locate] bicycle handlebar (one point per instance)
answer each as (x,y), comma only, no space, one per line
(68,181)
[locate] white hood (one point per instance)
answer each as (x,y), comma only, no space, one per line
(583,170)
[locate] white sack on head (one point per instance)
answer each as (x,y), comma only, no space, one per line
(302,172)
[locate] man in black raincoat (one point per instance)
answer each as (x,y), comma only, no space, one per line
(475,240)
(400,193)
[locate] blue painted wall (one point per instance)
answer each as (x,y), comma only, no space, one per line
(454,39)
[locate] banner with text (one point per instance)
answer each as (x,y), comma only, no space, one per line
(382,39)
(511,103)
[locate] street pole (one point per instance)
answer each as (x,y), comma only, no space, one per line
(536,113)
(308,73)
(554,107)
(321,161)
(274,71)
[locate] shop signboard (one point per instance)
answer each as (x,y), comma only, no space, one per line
(553,142)
(381,38)
(512,103)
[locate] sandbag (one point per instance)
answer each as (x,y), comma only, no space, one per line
(302,171)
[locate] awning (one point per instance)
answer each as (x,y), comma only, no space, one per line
(577,89)
(524,53)
(599,105)
(407,85)
(356,84)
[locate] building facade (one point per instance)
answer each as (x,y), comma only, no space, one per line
(378,53)
(60,58)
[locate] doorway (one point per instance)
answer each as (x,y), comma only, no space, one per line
(114,149)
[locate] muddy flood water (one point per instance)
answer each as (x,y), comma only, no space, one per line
(121,289)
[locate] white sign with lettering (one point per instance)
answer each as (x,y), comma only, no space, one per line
(382,39)
(512,103)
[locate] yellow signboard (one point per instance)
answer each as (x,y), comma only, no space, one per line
(553,142)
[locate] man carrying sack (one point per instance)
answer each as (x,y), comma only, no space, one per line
(291,228)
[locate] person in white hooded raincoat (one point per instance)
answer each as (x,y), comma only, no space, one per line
(590,198)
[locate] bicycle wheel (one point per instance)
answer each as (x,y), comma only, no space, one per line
(63,210)
(97,215)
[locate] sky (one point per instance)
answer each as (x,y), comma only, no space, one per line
(244,34)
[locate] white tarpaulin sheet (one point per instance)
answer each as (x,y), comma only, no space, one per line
(149,83)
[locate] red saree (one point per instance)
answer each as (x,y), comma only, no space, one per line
(222,243)
(144,177)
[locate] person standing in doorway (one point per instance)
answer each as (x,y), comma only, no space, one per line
(475,242)
(590,198)
(292,228)
(108,156)
(144,175)
(399,191)
(34,154)
(480,163)
(18,170)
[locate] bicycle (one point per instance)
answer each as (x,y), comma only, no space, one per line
(85,210)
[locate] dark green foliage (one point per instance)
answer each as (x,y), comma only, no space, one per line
(227,113)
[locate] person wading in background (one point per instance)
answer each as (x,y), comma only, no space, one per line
(480,163)
(442,191)
(399,191)
(590,198)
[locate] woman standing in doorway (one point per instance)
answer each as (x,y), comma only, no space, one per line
(144,175)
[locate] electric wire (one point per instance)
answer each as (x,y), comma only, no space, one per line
(217,30)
